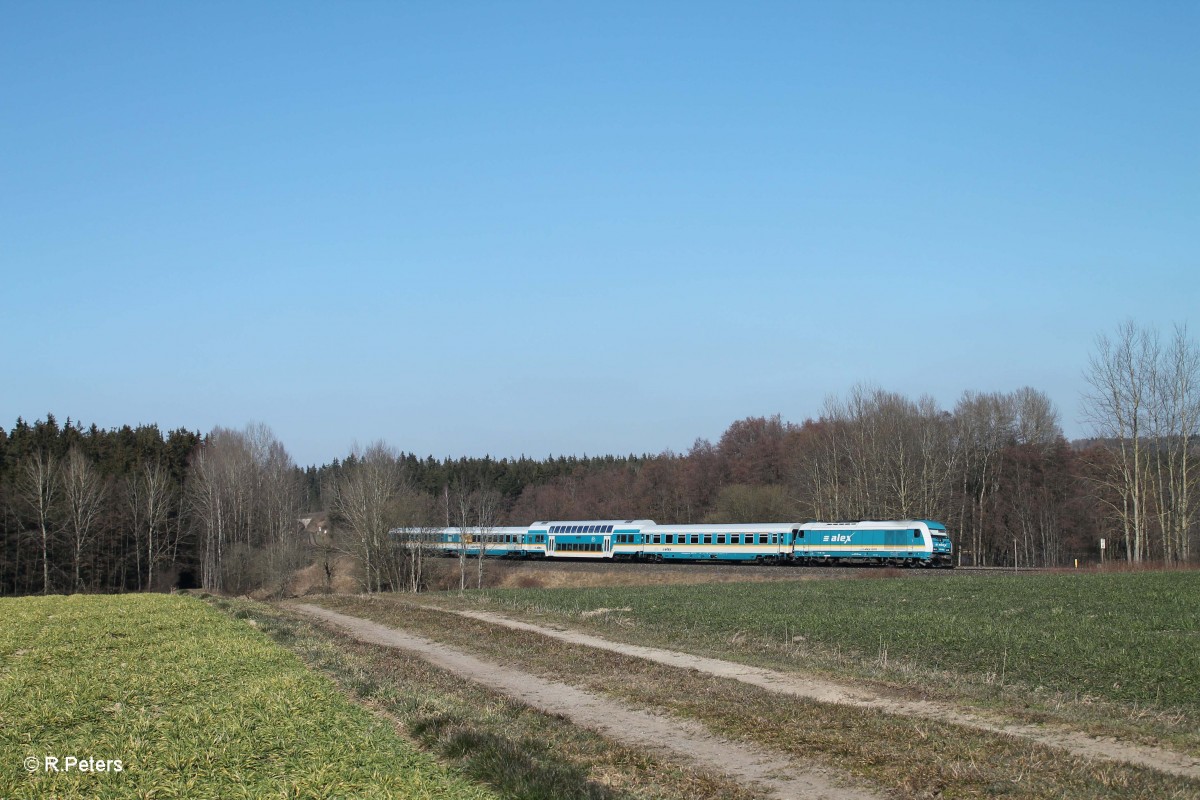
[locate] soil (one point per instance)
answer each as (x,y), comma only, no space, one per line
(681,740)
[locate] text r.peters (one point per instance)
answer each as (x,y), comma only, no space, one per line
(73,764)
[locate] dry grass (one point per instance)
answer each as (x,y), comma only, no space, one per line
(906,757)
(514,750)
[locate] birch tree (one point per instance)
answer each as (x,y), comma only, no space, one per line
(363,501)
(1122,376)
(150,497)
(38,487)
(83,491)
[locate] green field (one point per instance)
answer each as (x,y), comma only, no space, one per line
(192,702)
(1129,638)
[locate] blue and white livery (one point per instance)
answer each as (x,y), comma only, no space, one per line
(908,542)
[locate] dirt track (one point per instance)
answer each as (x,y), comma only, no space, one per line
(683,740)
(1078,744)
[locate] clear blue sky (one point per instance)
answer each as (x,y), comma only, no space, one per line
(515,228)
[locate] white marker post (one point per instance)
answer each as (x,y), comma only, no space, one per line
(1102,552)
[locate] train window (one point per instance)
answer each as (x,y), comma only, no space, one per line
(762,538)
(695,538)
(708,538)
(720,538)
(657,539)
(916,534)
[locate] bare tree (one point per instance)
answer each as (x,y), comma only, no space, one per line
(364,501)
(986,424)
(878,454)
(1174,416)
(244,500)
(475,512)
(1035,418)
(38,487)
(83,494)
(149,498)
(740,502)
(1122,376)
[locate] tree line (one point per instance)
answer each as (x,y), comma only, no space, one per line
(128,509)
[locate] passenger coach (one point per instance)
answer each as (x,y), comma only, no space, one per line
(896,542)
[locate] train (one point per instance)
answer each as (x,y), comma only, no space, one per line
(901,543)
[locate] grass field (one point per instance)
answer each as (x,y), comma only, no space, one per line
(1129,638)
(192,702)
(516,750)
(903,757)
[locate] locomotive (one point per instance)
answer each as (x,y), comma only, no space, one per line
(903,543)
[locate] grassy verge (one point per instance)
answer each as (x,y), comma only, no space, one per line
(1093,650)
(909,758)
(515,750)
(192,702)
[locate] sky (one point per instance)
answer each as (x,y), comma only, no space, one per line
(569,228)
